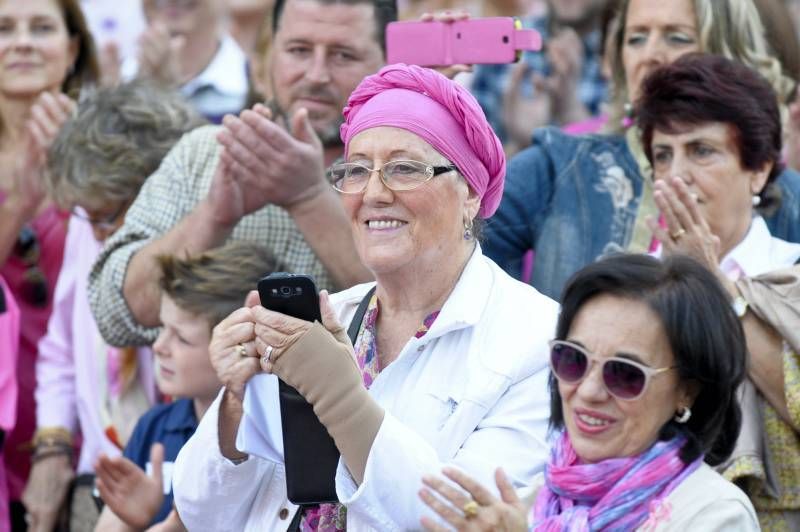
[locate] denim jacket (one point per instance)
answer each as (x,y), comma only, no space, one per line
(573,199)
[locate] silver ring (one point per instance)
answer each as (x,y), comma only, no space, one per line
(268,352)
(264,360)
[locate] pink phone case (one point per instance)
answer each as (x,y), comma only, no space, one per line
(471,41)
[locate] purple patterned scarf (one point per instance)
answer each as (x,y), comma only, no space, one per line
(615,494)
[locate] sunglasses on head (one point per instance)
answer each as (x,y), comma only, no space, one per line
(622,378)
(34,286)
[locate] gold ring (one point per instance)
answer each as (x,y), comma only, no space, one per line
(241,349)
(677,234)
(470,509)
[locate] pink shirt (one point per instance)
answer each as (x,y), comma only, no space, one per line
(50,228)
(68,372)
(9,343)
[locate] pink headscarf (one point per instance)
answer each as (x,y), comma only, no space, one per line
(443,113)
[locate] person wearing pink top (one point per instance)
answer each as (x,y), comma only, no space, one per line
(47,54)
(97,164)
(9,344)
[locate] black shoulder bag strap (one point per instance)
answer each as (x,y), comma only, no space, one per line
(355,323)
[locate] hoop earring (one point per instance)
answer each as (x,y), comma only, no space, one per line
(468,231)
(685,414)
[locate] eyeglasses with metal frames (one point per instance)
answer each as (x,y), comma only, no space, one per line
(399,175)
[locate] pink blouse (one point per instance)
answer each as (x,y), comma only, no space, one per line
(50,228)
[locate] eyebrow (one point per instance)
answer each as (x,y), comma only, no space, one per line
(618,354)
(671,27)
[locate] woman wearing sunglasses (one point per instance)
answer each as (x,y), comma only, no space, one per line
(645,365)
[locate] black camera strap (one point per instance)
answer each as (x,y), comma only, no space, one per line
(355,323)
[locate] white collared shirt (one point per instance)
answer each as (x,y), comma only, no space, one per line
(471,393)
(220,88)
(759,252)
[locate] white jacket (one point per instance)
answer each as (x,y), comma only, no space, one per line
(471,393)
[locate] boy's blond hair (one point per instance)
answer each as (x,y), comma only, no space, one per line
(215,283)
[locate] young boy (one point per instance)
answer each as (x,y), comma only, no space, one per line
(196,294)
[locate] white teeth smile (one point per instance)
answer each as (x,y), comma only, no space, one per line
(384,224)
(593,421)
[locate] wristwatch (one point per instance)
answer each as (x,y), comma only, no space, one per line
(740,306)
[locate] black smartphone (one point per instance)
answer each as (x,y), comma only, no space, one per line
(310,455)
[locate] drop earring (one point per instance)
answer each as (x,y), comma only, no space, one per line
(627,115)
(468,231)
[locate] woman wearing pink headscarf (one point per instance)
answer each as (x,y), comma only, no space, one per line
(449,365)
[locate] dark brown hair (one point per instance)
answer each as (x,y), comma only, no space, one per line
(703,332)
(385,12)
(702,88)
(85,69)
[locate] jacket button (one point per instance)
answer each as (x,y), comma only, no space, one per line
(283,514)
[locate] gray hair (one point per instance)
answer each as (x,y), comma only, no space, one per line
(117,138)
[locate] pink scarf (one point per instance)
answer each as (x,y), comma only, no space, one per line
(615,494)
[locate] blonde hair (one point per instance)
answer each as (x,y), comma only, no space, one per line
(215,283)
(731,28)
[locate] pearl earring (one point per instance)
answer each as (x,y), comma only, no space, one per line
(685,414)
(756,200)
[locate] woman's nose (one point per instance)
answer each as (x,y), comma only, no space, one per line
(376,190)
(591,388)
(655,51)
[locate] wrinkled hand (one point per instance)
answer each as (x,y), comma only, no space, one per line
(172,523)
(687,232)
(233,369)
(281,332)
(262,163)
(507,514)
(46,491)
(132,495)
(317,360)
(159,55)
(450,71)
(48,114)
